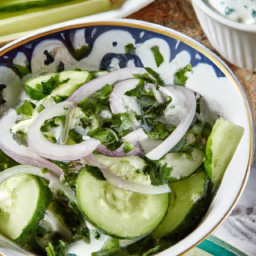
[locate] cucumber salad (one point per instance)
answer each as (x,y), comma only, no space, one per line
(108,163)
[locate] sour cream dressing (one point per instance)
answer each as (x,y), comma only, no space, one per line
(243,11)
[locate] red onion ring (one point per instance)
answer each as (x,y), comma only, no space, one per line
(98,83)
(43,147)
(20,153)
(125,184)
(119,152)
(180,130)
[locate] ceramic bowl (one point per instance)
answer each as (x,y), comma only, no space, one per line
(233,40)
(101,45)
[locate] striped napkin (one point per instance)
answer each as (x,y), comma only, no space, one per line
(213,246)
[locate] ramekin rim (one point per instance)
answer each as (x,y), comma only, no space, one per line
(225,21)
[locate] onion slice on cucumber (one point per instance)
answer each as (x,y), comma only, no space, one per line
(43,147)
(98,83)
(18,152)
(119,152)
(158,152)
(125,184)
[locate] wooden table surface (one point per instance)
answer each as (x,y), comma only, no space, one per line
(179,15)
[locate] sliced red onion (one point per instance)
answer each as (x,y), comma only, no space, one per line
(43,147)
(125,184)
(180,130)
(54,182)
(18,152)
(119,152)
(98,83)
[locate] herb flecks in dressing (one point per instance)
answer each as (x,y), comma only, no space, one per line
(243,11)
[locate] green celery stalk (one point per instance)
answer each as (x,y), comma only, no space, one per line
(20,5)
(21,21)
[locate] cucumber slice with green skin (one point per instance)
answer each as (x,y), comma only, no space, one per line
(188,203)
(182,165)
(220,148)
(74,80)
(25,199)
(118,212)
(129,168)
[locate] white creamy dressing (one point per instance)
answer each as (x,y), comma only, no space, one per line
(81,248)
(243,11)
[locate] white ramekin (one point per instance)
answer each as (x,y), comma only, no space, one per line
(236,42)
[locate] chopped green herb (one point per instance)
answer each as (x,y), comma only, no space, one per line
(95,103)
(128,147)
(154,74)
(159,175)
(254,13)
(180,77)
(129,48)
(105,136)
(23,70)
(159,59)
(26,108)
(160,131)
(34,94)
(110,248)
(21,138)
(123,123)
(40,108)
(53,122)
(96,172)
(74,137)
(6,162)
(59,98)
(228,11)
(59,249)
(45,88)
(81,52)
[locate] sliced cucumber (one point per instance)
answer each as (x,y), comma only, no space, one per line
(220,147)
(182,165)
(129,168)
(25,199)
(118,212)
(188,203)
(76,79)
(69,81)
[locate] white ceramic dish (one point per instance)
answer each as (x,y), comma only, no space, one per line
(233,40)
(211,78)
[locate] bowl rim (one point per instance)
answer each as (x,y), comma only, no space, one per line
(223,20)
(169,33)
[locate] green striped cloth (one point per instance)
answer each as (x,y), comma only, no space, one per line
(212,246)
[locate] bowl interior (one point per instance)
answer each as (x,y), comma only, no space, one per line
(120,43)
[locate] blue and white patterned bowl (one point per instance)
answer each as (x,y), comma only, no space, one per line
(103,45)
